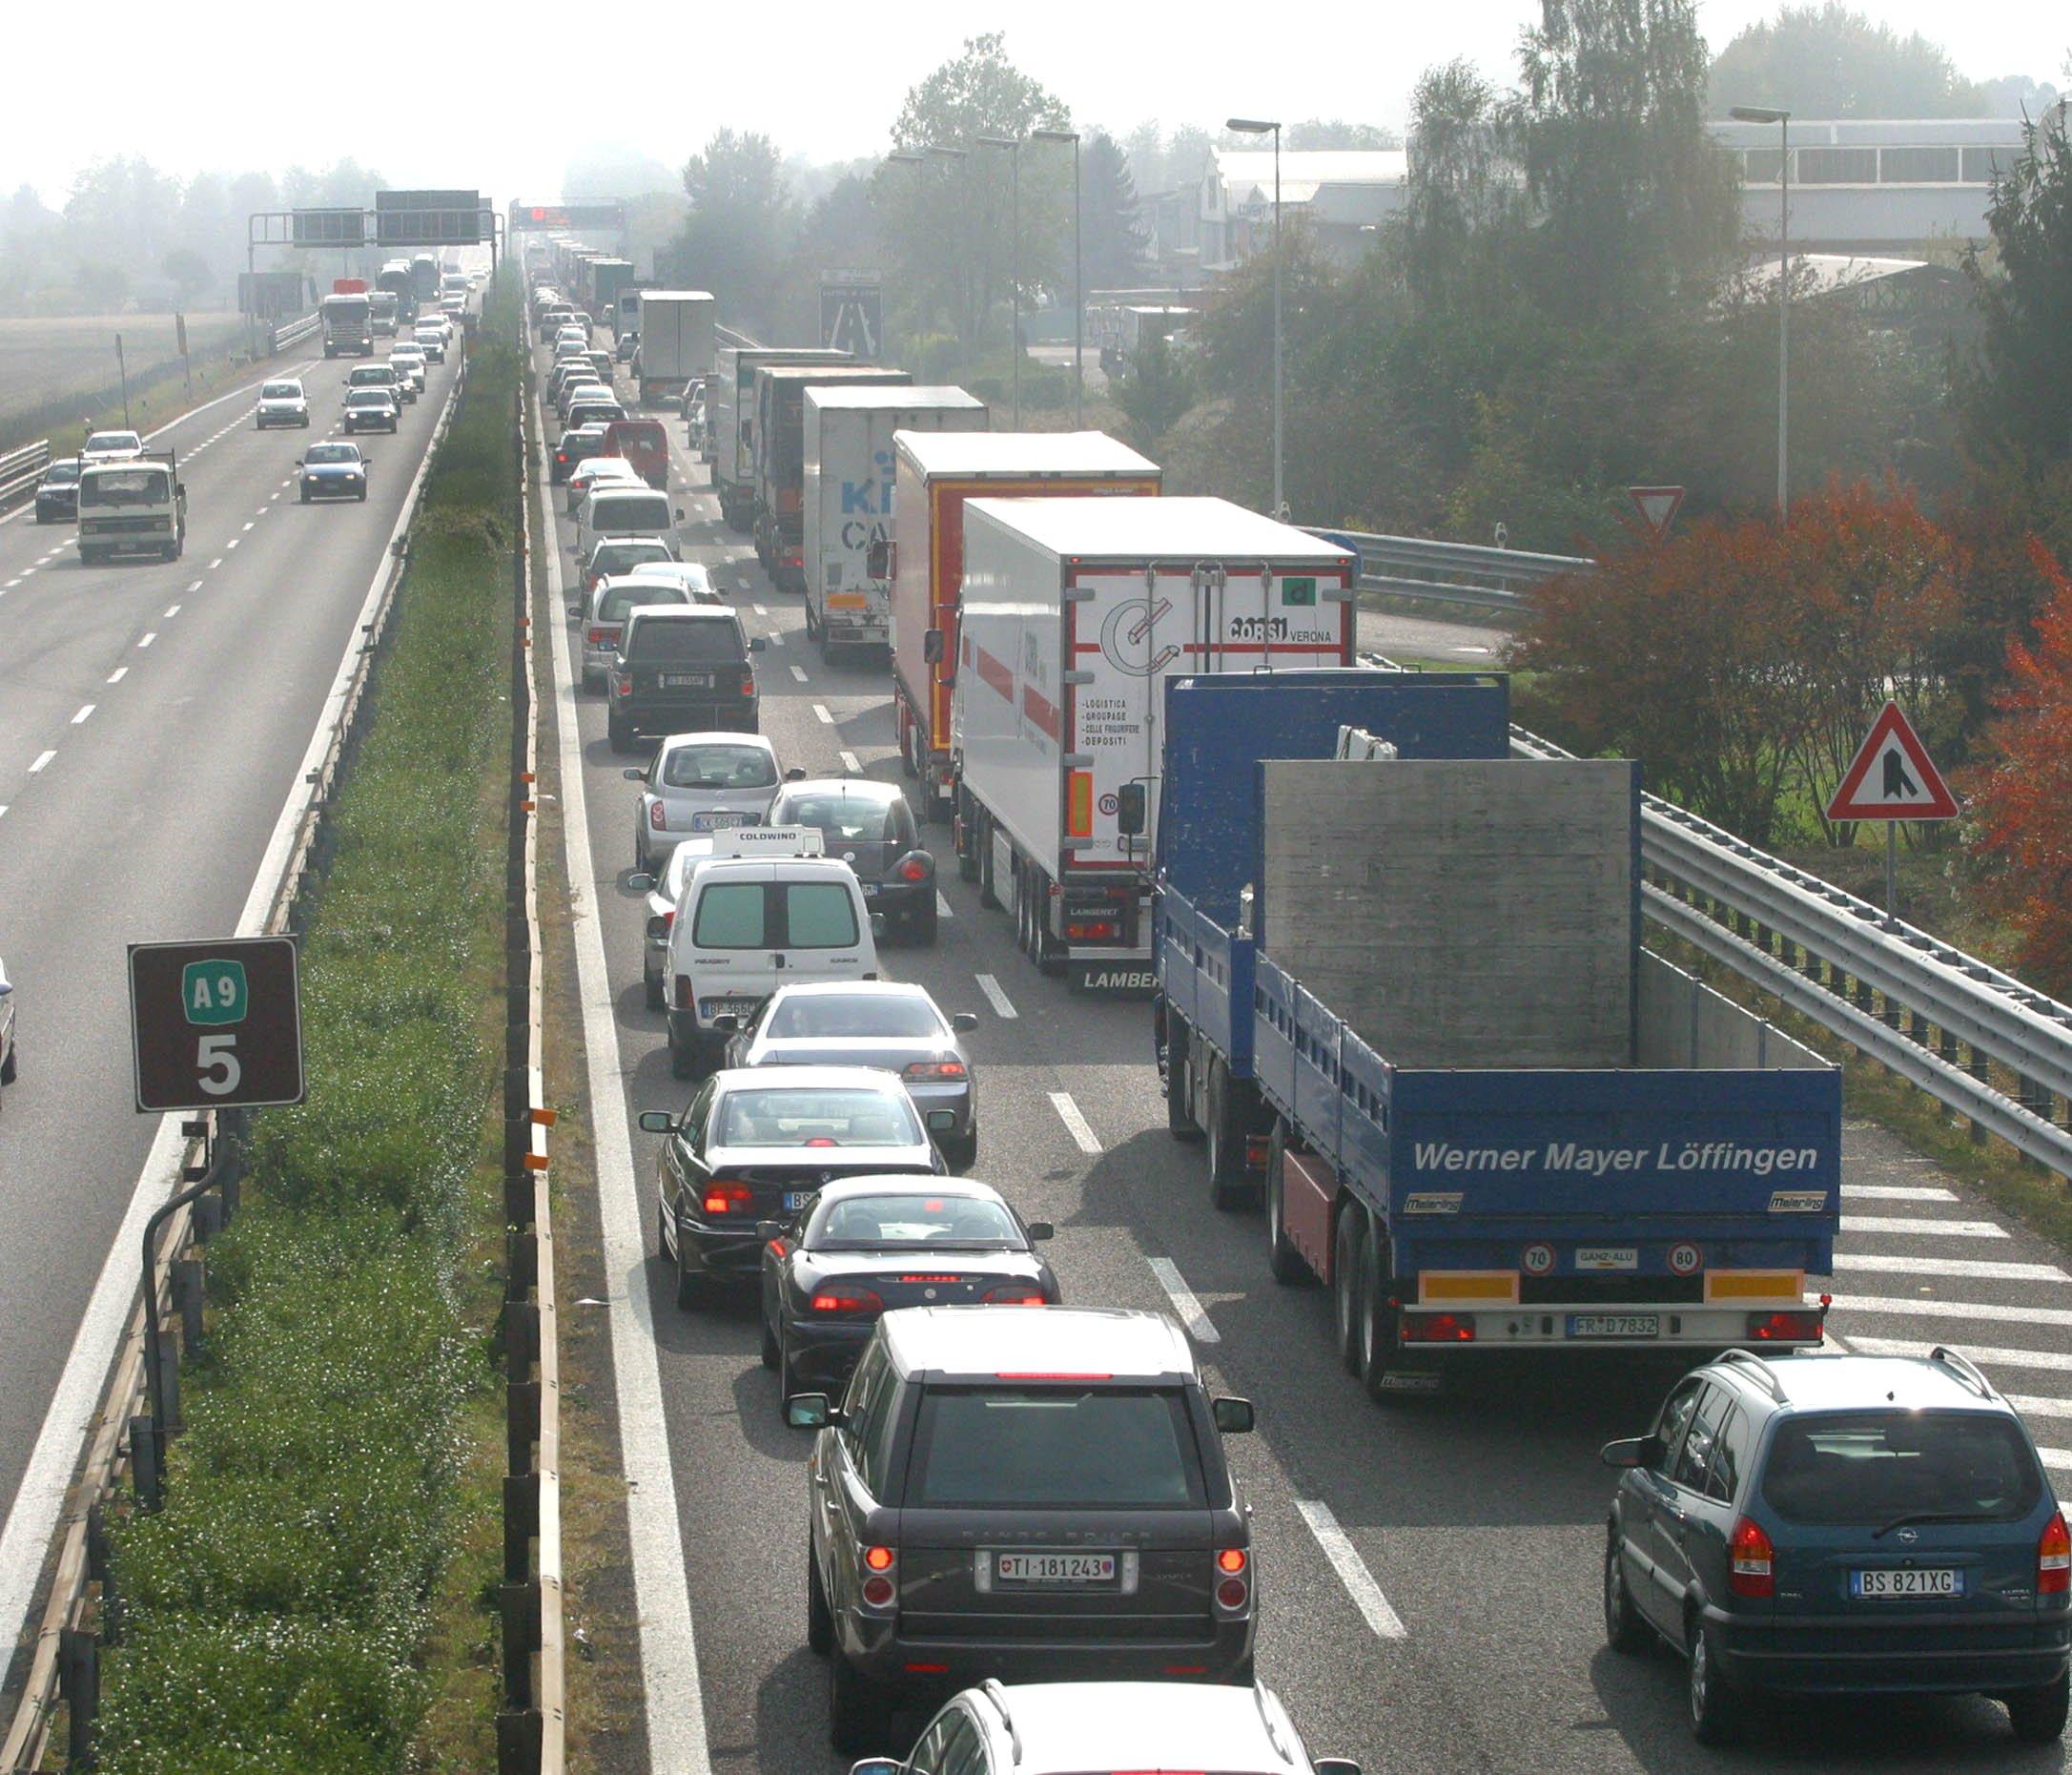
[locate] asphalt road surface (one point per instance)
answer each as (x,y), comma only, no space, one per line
(1429,1570)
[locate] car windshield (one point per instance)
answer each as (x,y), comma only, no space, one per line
(1868,1469)
(123,486)
(367,397)
(61,474)
(891,1015)
(718,765)
(801,1116)
(114,440)
(1053,1448)
(862,1223)
(848,819)
(618,600)
(698,643)
(280,391)
(318,454)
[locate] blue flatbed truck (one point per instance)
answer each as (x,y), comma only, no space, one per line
(1544,1147)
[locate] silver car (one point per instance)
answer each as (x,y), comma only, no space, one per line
(7,1027)
(282,402)
(663,895)
(604,622)
(699,784)
(886,1023)
(691,577)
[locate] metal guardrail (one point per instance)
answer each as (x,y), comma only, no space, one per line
(1462,573)
(293,334)
(77,1617)
(735,339)
(21,469)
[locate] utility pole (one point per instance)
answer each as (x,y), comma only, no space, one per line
(1260,126)
(1769,114)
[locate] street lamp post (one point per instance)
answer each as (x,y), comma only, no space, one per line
(1260,126)
(1768,114)
(1014,269)
(1078,280)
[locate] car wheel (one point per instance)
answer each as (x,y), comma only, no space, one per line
(859,1714)
(1624,1629)
(2038,1715)
(6,1068)
(921,923)
(1715,1713)
(819,1617)
(682,1059)
(1283,1260)
(690,1287)
(662,1233)
(305,497)
(361,496)
(657,999)
(962,1153)
(1349,1256)
(788,1374)
(1376,1323)
(618,734)
(770,1351)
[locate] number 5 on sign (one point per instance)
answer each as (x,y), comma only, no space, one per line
(216,1068)
(215,1026)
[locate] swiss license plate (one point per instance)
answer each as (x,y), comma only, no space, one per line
(796,1199)
(1935,1581)
(869,890)
(1054,1568)
(1614,1325)
(715,822)
(684,680)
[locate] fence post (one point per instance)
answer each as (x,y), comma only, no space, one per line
(79,1682)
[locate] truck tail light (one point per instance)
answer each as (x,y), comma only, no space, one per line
(2054,1558)
(932,1071)
(1437,1328)
(1789,1327)
(843,1300)
(1091,930)
(657,820)
(913,869)
(622,682)
(724,1197)
(1013,1295)
(1751,1573)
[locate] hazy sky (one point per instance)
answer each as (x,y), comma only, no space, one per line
(478,97)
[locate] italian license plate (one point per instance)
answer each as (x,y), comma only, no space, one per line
(796,1199)
(1614,1325)
(684,680)
(717,822)
(1054,1568)
(1879,1581)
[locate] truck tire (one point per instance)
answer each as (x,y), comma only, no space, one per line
(1379,1356)
(1180,1122)
(907,767)
(1348,1259)
(1229,1187)
(966,829)
(1283,1262)
(989,890)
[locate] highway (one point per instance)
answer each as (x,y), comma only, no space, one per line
(153,717)
(1429,1571)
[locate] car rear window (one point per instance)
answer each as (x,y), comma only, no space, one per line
(281,391)
(719,766)
(632,511)
(862,1223)
(643,434)
(819,914)
(843,819)
(697,643)
(1053,1448)
(801,1116)
(616,603)
(1867,1469)
(888,1014)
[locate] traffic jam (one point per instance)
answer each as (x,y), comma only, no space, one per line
(996,759)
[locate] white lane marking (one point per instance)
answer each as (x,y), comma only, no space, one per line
(234,541)
(119,674)
(824,714)
(1896,1193)
(2061,1459)
(13,582)
(994,997)
(1902,1307)
(173,610)
(761,609)
(42,760)
(249,522)
(799,672)
(3,809)
(216,563)
(1076,1125)
(27,572)
(1190,1309)
(1986,1358)
(1922,1228)
(775,639)
(1352,1570)
(1968,1268)
(85,709)
(261,513)
(942,906)
(146,639)
(2032,1405)
(676,1732)
(852,763)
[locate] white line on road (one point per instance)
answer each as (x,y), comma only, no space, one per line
(85,709)
(824,712)
(234,541)
(1896,1193)
(1352,1570)
(248,522)
(2032,1405)
(942,906)
(761,609)
(195,586)
(116,677)
(852,763)
(1921,1228)
(1076,1125)
(994,997)
(145,640)
(3,809)
(2050,1359)
(173,610)
(799,672)
(1190,1309)
(10,586)
(1969,1269)
(775,639)
(42,760)
(212,566)
(1902,1307)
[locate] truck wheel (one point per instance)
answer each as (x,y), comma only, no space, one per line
(1229,1187)
(1348,1258)
(906,744)
(1377,1356)
(1283,1262)
(988,891)
(1179,1120)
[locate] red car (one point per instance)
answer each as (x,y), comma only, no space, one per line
(644,444)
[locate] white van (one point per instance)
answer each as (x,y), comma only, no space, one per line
(766,910)
(616,509)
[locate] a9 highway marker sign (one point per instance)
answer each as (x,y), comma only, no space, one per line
(215,1026)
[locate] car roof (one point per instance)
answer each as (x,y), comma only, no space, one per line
(899,1183)
(716,736)
(1109,1343)
(1145,1726)
(809,1079)
(852,988)
(863,788)
(680,613)
(1841,1383)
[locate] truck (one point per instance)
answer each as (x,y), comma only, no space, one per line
(848,500)
(347,320)
(731,418)
(935,474)
(778,446)
(383,310)
(425,280)
(676,339)
(134,506)
(607,277)
(1074,614)
(626,311)
(394,276)
(1402,996)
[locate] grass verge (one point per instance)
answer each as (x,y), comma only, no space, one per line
(316,1595)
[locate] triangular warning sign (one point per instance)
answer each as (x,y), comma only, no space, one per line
(1890,777)
(1658,506)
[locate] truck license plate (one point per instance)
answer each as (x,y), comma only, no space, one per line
(1614,1325)
(1931,1582)
(1054,1568)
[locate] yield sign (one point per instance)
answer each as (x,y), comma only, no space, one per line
(1890,777)
(1658,506)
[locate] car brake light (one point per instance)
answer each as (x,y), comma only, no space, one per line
(879,1558)
(727,1198)
(878,1592)
(668,921)
(1437,1328)
(1231,1560)
(1233,1593)
(1750,1551)
(845,1301)
(683,992)
(1792,1327)
(598,637)
(655,820)
(927,1071)
(1037,1375)
(2054,1558)
(1013,1295)
(624,683)
(913,869)
(748,684)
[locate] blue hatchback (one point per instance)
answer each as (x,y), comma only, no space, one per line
(1842,1525)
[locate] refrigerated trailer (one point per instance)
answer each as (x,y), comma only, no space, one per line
(730,428)
(676,339)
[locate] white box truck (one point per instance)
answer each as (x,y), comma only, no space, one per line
(676,339)
(1075,613)
(847,500)
(729,420)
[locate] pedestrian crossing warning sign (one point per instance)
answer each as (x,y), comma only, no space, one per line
(1892,777)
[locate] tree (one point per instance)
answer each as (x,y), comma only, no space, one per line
(2023,794)
(1337,133)
(1155,392)
(188,272)
(1830,61)
(1112,235)
(2015,95)
(1462,214)
(739,230)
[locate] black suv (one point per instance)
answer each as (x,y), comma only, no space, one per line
(1029,1495)
(1842,1525)
(681,668)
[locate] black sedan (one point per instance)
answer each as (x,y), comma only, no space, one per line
(332,471)
(871,828)
(864,1245)
(755,1146)
(57,493)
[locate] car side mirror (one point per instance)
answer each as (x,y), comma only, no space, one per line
(1233,1416)
(1628,1452)
(932,647)
(811,1411)
(299,461)
(768,1229)
(757,645)
(964,1022)
(657,1122)
(633,773)
(877,924)
(939,1120)
(179,489)
(876,1765)
(1131,810)
(640,881)
(679,514)
(1039,1231)
(575,612)
(728,1023)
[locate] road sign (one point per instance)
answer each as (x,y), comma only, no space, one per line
(1892,777)
(852,312)
(314,228)
(428,218)
(528,216)
(1658,506)
(215,1026)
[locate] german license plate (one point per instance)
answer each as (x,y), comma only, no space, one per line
(684,680)
(796,1199)
(1054,1568)
(717,822)
(1878,1582)
(1614,1325)
(869,890)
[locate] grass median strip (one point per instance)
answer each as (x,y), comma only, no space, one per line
(315,1595)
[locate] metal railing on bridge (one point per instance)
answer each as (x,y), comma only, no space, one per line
(1468,575)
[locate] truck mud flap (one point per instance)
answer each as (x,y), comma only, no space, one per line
(1111,980)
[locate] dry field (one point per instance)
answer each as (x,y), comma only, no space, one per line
(48,367)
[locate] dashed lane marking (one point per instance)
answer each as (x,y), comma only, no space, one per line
(1920,1228)
(195,586)
(249,522)
(852,763)
(1190,1309)
(216,563)
(1076,1125)
(994,997)
(825,713)
(1896,1193)
(1968,1269)
(799,672)
(147,637)
(173,610)
(942,906)
(2032,1405)
(761,609)
(1352,1570)
(2056,1361)
(85,709)
(119,674)
(42,758)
